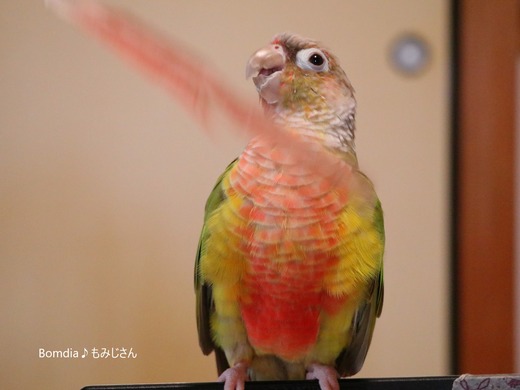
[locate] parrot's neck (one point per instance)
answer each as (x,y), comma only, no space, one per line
(334,128)
(323,109)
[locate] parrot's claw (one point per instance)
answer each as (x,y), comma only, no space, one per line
(327,376)
(234,378)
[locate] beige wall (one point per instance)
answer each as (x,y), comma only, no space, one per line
(103,181)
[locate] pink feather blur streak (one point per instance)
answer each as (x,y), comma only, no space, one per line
(193,85)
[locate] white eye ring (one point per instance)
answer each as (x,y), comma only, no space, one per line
(312,59)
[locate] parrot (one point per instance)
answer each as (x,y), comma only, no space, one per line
(289,266)
(288,272)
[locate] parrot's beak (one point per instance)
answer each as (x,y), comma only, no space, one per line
(266,66)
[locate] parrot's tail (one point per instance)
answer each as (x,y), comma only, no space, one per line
(183,74)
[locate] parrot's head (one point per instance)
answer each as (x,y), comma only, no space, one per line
(299,79)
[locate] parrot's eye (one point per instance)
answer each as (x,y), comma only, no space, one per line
(312,59)
(316,59)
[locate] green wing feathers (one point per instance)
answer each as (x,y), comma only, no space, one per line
(204,296)
(351,359)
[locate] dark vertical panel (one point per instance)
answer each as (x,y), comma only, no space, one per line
(454,180)
(485,185)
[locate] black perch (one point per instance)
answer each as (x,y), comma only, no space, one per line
(464,382)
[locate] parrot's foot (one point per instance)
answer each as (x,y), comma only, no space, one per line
(234,378)
(327,376)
